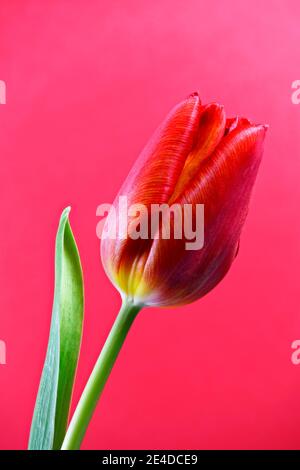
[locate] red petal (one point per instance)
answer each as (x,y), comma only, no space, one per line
(236,122)
(211,130)
(223,184)
(154,175)
(152,181)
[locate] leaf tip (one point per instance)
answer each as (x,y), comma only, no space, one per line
(66,211)
(65,215)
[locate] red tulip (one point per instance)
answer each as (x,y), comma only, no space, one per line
(196,156)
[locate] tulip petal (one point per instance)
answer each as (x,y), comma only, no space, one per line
(153,177)
(236,122)
(211,130)
(152,181)
(223,184)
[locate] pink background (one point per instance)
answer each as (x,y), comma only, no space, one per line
(87,83)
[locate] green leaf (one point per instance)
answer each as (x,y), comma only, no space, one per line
(50,417)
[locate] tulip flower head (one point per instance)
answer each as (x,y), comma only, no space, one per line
(196,157)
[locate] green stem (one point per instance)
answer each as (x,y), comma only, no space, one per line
(91,394)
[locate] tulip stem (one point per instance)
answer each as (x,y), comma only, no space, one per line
(95,385)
